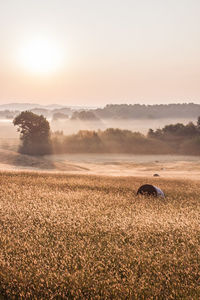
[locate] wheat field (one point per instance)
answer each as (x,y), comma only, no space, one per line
(91,237)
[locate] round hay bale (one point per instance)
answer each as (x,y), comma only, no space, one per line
(150,190)
(156,175)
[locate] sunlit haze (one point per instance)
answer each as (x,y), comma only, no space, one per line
(40,56)
(97,52)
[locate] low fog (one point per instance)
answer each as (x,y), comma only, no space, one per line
(126,164)
(9,137)
(70,127)
(8,131)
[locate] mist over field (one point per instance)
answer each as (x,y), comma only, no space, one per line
(99,163)
(7,130)
(70,127)
(10,137)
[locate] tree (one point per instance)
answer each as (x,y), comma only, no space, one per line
(198,123)
(84,116)
(34,133)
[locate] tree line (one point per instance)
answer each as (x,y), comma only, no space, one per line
(142,111)
(114,111)
(37,139)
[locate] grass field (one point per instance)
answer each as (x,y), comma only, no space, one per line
(90,237)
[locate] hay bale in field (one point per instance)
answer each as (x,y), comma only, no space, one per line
(150,190)
(156,175)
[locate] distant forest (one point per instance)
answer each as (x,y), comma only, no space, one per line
(171,139)
(114,111)
(138,111)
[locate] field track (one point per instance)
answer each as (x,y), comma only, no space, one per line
(91,237)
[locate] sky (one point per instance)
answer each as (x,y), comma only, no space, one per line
(91,52)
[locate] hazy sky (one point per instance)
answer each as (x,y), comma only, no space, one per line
(93,52)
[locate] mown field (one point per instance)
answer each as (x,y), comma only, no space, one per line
(90,237)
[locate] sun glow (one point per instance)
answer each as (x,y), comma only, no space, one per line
(40,56)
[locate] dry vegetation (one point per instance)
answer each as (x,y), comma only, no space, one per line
(89,237)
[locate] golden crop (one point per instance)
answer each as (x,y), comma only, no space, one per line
(89,237)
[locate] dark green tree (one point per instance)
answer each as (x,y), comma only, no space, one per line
(34,133)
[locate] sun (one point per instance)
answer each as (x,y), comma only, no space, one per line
(40,56)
